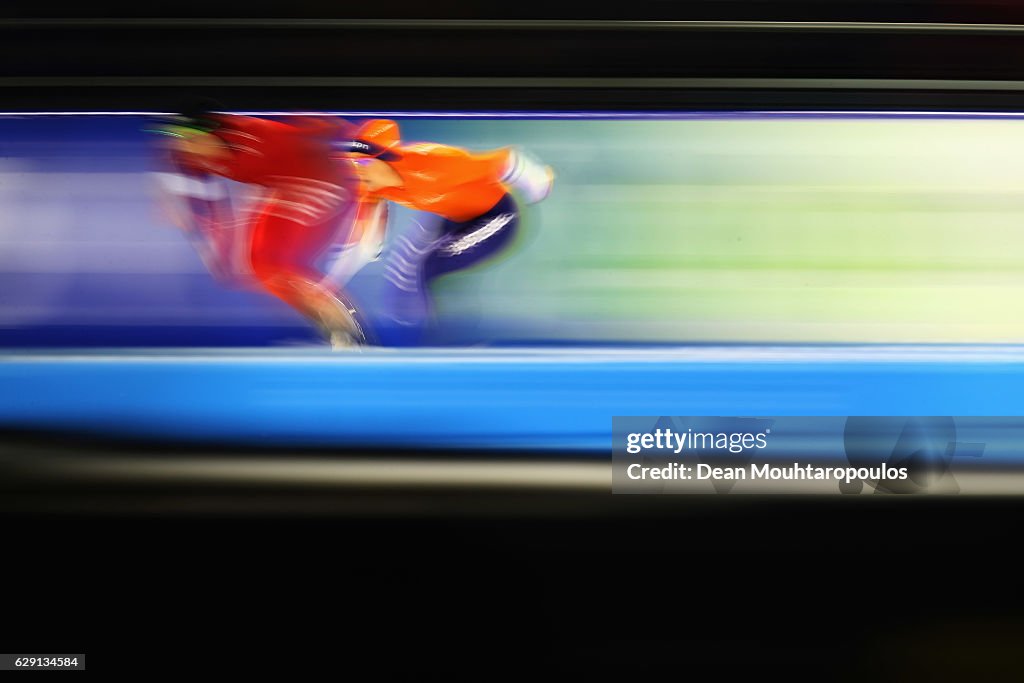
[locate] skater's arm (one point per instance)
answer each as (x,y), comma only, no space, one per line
(181,185)
(174,193)
(371,223)
(458,166)
(365,242)
(199,204)
(514,168)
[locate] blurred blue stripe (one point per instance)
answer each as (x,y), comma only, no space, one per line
(502,400)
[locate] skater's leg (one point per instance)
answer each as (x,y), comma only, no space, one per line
(283,255)
(404,295)
(474,242)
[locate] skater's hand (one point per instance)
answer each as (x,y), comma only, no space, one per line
(174,191)
(172,206)
(530,177)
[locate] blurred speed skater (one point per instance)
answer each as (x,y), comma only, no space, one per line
(469,212)
(305,206)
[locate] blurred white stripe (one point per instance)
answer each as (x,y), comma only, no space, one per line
(330,473)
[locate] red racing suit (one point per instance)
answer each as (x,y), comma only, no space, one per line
(307,201)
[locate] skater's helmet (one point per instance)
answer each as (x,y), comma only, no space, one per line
(377,138)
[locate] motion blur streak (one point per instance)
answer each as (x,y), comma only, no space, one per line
(50,476)
(320,473)
(551,399)
(712,228)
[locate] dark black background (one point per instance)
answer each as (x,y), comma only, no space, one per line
(411,585)
(875,588)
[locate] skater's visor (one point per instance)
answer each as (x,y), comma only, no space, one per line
(357,147)
(364,148)
(178,130)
